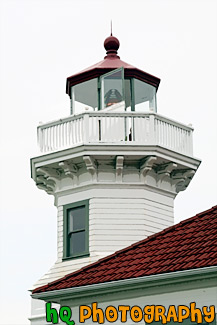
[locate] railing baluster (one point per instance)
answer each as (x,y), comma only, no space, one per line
(144,132)
(169,135)
(60,135)
(114,128)
(71,133)
(51,138)
(45,140)
(79,130)
(65,134)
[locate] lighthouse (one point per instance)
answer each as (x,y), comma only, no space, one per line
(114,166)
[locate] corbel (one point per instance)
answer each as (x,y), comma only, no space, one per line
(181,179)
(49,173)
(45,184)
(119,168)
(146,167)
(46,178)
(69,170)
(91,166)
(164,171)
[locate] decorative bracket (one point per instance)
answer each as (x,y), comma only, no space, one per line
(91,166)
(46,178)
(49,186)
(119,168)
(49,172)
(69,170)
(146,167)
(181,179)
(164,171)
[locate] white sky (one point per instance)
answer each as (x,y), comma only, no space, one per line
(43,42)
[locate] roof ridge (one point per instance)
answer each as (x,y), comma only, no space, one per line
(214,208)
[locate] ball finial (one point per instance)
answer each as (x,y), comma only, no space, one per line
(111,45)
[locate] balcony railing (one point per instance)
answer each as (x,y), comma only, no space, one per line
(115,128)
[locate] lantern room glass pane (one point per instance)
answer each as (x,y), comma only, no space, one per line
(112,90)
(145,97)
(128,95)
(84,97)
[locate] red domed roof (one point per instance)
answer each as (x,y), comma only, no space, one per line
(111,61)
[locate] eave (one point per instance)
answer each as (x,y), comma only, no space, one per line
(97,72)
(202,276)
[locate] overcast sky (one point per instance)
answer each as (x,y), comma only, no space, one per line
(43,42)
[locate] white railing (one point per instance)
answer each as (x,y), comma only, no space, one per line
(113,128)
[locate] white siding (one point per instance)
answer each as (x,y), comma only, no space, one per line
(117,218)
(202,297)
(117,222)
(60,232)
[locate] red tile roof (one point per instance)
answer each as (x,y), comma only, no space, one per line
(188,245)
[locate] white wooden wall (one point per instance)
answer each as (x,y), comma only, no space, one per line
(118,222)
(202,297)
(117,218)
(148,128)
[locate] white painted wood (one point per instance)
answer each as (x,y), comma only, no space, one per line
(206,296)
(123,206)
(124,195)
(203,294)
(101,127)
(117,218)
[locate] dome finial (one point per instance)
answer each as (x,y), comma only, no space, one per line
(111,45)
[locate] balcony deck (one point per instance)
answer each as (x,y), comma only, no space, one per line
(115,128)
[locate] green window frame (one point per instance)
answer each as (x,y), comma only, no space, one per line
(76,229)
(101,85)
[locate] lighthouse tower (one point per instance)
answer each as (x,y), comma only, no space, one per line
(114,166)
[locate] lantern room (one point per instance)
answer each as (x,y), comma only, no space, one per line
(112,85)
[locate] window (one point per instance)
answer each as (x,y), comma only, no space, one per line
(76,229)
(112,90)
(114,93)
(84,97)
(145,97)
